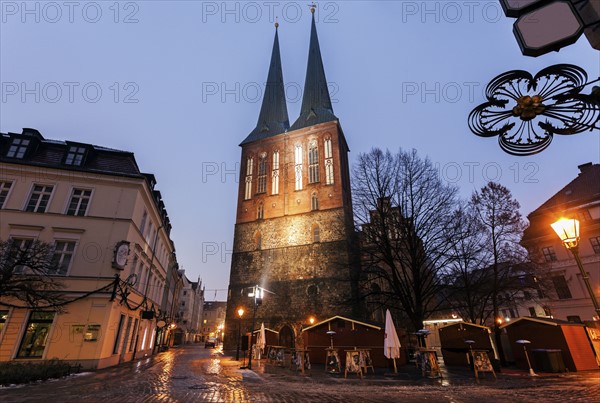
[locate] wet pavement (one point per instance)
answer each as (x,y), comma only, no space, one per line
(195,374)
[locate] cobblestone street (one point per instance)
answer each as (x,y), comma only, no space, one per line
(195,374)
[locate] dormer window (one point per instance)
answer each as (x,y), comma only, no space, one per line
(75,156)
(18,148)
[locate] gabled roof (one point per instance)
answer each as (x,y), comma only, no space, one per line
(581,189)
(465,324)
(316,103)
(273,117)
(342,318)
(545,321)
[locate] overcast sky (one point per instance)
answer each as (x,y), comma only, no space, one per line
(180,83)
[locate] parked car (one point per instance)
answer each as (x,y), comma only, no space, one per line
(210,342)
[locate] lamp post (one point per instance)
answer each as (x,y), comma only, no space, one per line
(257,294)
(568,231)
(240,313)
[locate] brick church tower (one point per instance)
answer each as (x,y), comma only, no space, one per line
(294,230)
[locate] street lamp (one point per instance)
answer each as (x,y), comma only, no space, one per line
(568,231)
(257,294)
(240,313)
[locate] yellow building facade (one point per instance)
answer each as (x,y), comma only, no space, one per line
(111,248)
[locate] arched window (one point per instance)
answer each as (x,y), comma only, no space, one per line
(261,186)
(313,162)
(258,240)
(316,233)
(314,202)
(260,212)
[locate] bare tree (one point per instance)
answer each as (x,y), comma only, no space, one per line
(26,268)
(404,211)
(498,213)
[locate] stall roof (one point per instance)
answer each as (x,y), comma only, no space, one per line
(266,330)
(342,318)
(545,321)
(465,324)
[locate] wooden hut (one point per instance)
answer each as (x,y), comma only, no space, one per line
(454,346)
(346,334)
(551,334)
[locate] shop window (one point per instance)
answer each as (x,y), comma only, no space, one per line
(35,338)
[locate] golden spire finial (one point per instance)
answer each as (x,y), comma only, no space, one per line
(276,22)
(313,6)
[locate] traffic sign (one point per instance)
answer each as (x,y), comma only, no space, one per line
(548,28)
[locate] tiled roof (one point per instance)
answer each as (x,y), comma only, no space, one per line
(584,188)
(52,153)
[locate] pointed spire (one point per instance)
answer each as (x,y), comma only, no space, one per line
(273,118)
(316,103)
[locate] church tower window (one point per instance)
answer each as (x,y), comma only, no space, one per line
(298,166)
(275,174)
(313,162)
(314,202)
(262,174)
(328,163)
(248,192)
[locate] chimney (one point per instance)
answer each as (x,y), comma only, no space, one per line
(584,167)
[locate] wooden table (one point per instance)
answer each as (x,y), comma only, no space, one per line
(353,363)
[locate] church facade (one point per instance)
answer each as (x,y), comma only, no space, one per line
(294,232)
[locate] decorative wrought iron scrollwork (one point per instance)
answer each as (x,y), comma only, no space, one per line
(525,112)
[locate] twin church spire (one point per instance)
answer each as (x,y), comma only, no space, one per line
(316,103)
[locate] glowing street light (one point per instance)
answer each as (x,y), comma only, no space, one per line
(568,231)
(240,313)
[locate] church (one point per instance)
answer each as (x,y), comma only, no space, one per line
(294,233)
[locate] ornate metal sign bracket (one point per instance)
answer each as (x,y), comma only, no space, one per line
(525,112)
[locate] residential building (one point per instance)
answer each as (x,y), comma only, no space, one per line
(191,307)
(294,228)
(111,241)
(213,320)
(566,296)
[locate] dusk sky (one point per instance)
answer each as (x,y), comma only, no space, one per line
(179,83)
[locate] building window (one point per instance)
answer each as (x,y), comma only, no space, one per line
(527,295)
(79,202)
(549,254)
(574,318)
(316,234)
(36,336)
(328,163)
(18,148)
(547,311)
(38,201)
(4,189)
(184,292)
(532,312)
(261,212)
(92,333)
(561,287)
(75,156)
(3,318)
(594,241)
(313,163)
(261,184)
(248,190)
(143,223)
(63,256)
(298,166)
(21,248)
(275,174)
(584,215)
(329,172)
(133,334)
(118,336)
(258,241)
(314,202)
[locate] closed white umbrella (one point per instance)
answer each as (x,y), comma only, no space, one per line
(391,343)
(262,339)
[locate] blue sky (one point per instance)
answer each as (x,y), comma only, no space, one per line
(179,83)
